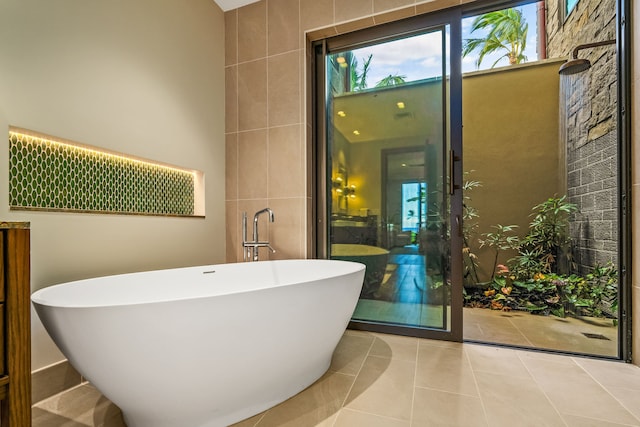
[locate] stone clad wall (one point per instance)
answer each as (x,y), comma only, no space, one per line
(590,21)
(592,183)
(588,113)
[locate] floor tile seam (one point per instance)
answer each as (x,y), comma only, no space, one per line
(520,332)
(390,359)
(75,418)
(378,356)
(606,389)
(453,393)
(608,362)
(264,414)
(498,374)
(57,395)
(355,377)
(544,393)
(413,390)
(75,422)
(336,371)
(475,382)
(606,420)
(360,411)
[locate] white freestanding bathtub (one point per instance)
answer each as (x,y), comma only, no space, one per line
(203,346)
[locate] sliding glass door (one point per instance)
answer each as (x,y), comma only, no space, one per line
(389,132)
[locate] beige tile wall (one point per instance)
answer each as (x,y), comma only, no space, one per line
(267,121)
(267,116)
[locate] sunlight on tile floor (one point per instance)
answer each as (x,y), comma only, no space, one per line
(379,380)
(402,299)
(523,329)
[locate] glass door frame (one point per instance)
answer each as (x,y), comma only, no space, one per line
(452,164)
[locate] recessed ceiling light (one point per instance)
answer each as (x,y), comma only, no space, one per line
(400,105)
(342,114)
(356,132)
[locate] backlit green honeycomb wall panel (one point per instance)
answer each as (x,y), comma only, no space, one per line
(47,174)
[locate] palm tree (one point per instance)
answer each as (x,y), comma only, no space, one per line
(507,31)
(358,78)
(348,76)
(391,80)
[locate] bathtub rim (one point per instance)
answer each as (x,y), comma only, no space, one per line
(50,295)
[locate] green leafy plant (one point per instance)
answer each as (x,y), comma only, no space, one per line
(527,263)
(596,293)
(532,283)
(500,240)
(560,295)
(547,239)
(469,228)
(391,80)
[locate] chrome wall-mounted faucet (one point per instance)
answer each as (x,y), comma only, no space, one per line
(250,248)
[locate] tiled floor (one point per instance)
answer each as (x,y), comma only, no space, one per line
(402,295)
(587,335)
(402,299)
(389,381)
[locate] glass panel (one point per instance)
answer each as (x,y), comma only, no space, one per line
(387,147)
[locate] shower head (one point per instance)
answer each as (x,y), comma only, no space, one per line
(578,65)
(574,66)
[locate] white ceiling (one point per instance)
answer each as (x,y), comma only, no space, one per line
(233,4)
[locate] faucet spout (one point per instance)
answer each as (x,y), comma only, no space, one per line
(250,248)
(255,221)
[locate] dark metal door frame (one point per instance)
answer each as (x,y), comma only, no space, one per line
(452,164)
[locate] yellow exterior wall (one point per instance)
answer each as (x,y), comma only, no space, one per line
(511,143)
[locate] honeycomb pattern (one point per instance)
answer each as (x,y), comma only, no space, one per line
(46,174)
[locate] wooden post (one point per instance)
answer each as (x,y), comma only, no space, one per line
(15,273)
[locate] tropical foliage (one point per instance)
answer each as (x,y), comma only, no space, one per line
(506,33)
(469,229)
(500,240)
(357,75)
(391,80)
(530,281)
(548,238)
(592,295)
(349,75)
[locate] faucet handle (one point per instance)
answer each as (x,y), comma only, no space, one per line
(273,251)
